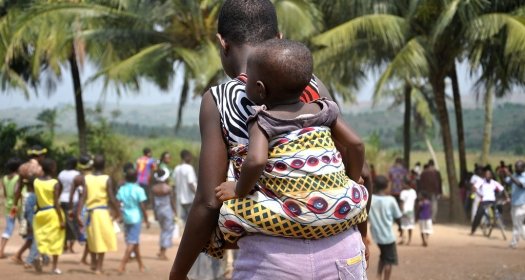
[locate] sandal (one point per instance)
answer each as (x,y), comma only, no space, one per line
(56,272)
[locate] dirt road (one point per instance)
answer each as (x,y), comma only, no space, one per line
(452,254)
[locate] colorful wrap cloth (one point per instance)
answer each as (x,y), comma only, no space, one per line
(303,193)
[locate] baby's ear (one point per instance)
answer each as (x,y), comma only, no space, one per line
(261,90)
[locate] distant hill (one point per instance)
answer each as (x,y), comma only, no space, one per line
(159,120)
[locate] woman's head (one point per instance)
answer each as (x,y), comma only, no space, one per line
(85,162)
(12,164)
(244,22)
(487,174)
(165,157)
(99,163)
(49,166)
(71,163)
(278,71)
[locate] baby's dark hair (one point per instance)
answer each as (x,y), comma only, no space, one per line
(12,164)
(130,175)
(247,21)
(380,183)
(425,195)
(285,64)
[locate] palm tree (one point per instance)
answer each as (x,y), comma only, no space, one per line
(408,47)
(46,36)
(498,49)
(183,38)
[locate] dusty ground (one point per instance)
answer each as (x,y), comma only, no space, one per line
(452,254)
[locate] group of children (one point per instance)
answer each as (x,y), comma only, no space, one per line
(385,211)
(82,205)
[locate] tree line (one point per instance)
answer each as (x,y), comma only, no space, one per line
(414,46)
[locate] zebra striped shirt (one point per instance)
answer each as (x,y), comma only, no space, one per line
(235,107)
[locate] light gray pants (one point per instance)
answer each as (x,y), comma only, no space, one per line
(267,257)
(518,217)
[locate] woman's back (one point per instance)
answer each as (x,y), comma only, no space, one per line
(44,191)
(66,178)
(96,187)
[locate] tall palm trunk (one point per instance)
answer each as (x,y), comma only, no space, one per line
(431,151)
(487,128)
(459,125)
(79,104)
(406,124)
(438,85)
(183,98)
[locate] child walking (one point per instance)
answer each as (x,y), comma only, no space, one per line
(408,198)
(383,212)
(132,198)
(164,206)
(49,220)
(425,218)
(9,184)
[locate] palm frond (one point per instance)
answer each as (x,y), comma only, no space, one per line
(409,63)
(388,29)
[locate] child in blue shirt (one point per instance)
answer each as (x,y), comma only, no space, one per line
(383,212)
(132,199)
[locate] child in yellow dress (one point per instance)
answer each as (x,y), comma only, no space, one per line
(48,223)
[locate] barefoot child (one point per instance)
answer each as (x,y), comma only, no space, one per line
(9,184)
(408,198)
(383,212)
(132,198)
(296,178)
(164,207)
(425,217)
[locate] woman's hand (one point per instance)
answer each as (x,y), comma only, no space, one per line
(226,191)
(366,241)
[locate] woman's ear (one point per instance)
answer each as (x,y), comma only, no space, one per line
(224,45)
(261,90)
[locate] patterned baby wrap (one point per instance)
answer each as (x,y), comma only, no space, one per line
(303,192)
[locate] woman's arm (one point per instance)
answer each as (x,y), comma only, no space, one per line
(79,181)
(204,214)
(112,199)
(355,149)
(56,201)
(144,214)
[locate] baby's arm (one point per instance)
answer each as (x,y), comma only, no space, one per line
(355,149)
(252,167)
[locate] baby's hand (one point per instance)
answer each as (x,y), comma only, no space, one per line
(226,191)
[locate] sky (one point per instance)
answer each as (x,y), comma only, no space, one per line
(149,94)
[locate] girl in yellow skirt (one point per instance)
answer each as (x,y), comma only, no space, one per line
(48,223)
(98,195)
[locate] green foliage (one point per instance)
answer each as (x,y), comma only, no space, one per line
(17,140)
(105,142)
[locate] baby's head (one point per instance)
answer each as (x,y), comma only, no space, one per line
(278,72)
